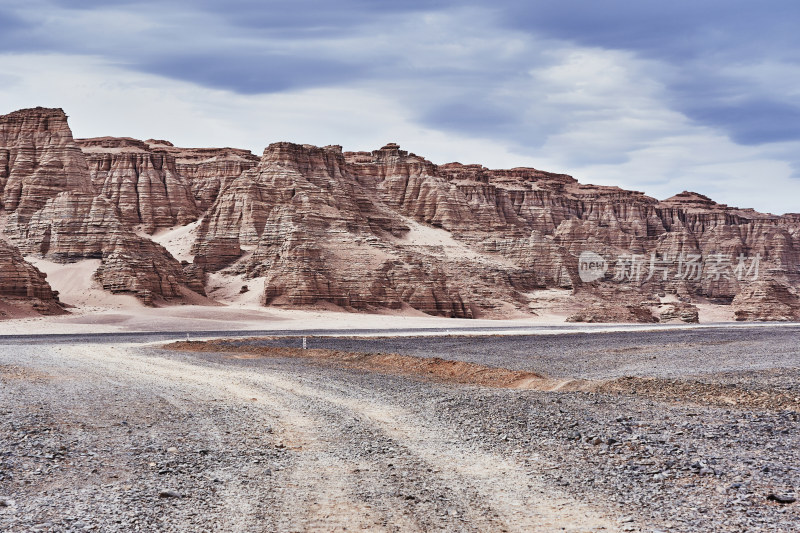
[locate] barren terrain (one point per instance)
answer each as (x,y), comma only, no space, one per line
(679,430)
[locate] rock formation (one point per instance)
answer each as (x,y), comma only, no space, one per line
(386,229)
(53,212)
(38,160)
(23,287)
(767,300)
(143,183)
(208,170)
(305,223)
(73,226)
(326,226)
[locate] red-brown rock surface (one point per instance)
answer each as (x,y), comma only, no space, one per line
(23,287)
(38,160)
(143,183)
(208,170)
(345,228)
(387,229)
(52,210)
(767,300)
(73,226)
(316,235)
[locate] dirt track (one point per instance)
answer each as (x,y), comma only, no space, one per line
(97,436)
(255,452)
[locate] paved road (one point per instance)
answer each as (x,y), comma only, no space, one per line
(572,329)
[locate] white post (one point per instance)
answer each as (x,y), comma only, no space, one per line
(305,345)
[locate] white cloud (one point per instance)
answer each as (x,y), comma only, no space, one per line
(597,114)
(103,99)
(611,106)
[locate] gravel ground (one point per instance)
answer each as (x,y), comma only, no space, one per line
(135,438)
(656,353)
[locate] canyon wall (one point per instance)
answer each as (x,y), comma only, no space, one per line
(52,209)
(386,229)
(23,288)
(143,183)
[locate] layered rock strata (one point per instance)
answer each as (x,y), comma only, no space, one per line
(73,226)
(767,300)
(301,220)
(23,286)
(208,170)
(387,229)
(38,160)
(333,227)
(142,182)
(53,212)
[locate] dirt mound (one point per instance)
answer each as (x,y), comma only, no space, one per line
(724,395)
(433,368)
(449,371)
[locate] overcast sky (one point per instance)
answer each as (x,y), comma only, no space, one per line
(654,96)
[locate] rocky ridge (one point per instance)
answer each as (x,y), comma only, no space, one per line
(388,229)
(23,287)
(54,212)
(515,231)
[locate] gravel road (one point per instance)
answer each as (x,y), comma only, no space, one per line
(132,437)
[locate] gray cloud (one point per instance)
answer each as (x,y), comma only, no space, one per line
(752,121)
(672,31)
(477,69)
(698,39)
(15,32)
(253,74)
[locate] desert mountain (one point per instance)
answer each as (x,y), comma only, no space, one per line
(387,229)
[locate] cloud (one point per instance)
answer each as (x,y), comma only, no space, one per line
(615,92)
(15,32)
(251,47)
(106,99)
(253,74)
(753,122)
(697,43)
(676,30)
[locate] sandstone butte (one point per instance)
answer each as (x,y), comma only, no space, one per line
(309,226)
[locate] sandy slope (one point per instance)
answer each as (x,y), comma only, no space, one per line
(178,240)
(428,236)
(99,311)
(232,318)
(234,302)
(75,286)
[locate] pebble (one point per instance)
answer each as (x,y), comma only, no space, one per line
(781,498)
(650,477)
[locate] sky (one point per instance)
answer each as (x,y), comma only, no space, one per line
(659,97)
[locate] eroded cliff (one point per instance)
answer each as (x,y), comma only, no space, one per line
(53,211)
(386,229)
(23,288)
